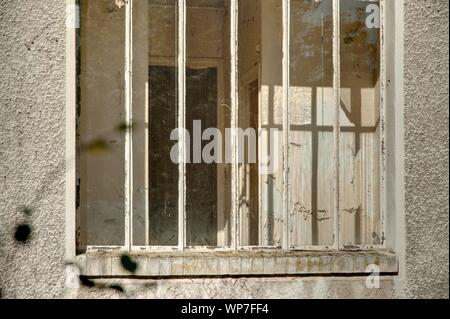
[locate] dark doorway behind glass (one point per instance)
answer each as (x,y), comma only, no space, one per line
(201,178)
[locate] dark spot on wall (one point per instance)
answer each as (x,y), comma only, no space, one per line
(26,210)
(22,233)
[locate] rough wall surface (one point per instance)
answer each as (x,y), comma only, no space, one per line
(32,73)
(426,142)
(32,125)
(253,288)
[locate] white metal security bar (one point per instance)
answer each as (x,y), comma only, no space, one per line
(286,121)
(182,123)
(129,123)
(234,12)
(337,107)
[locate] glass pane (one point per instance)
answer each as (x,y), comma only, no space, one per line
(360,124)
(140,123)
(161,74)
(249,39)
(208,115)
(312,120)
(260,120)
(101,166)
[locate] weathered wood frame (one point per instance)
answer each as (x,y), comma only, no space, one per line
(234,89)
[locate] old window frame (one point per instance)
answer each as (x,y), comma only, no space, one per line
(71,49)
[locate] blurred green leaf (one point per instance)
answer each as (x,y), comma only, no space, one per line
(87,282)
(123,127)
(117,288)
(128,263)
(98,145)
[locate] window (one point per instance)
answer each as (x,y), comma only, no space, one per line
(230,125)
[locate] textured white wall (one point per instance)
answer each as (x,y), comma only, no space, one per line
(32,125)
(426,142)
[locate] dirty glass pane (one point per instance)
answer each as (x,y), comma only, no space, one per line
(312,120)
(162,116)
(140,122)
(101,115)
(360,124)
(249,38)
(208,115)
(260,120)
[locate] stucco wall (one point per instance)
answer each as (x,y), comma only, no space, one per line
(32,124)
(426,144)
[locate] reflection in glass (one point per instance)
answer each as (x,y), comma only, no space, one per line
(360,125)
(311,127)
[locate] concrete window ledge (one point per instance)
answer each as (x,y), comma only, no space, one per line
(238,264)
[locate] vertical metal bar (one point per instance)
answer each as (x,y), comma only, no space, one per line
(129,122)
(383,83)
(234,124)
(260,202)
(147,169)
(286,121)
(182,124)
(337,106)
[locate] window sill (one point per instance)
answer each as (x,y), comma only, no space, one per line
(187,264)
